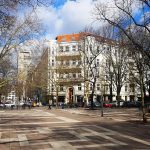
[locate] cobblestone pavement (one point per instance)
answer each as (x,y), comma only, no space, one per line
(118,114)
(56,129)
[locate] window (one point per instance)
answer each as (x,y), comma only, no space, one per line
(52,87)
(97,62)
(67,63)
(73,48)
(52,51)
(67,75)
(91,48)
(98,87)
(79,47)
(125,78)
(61,48)
(73,62)
(61,76)
(91,87)
(126,88)
(79,62)
(74,75)
(79,87)
(61,88)
(91,59)
(90,74)
(67,48)
(97,74)
(132,88)
(61,63)
(98,50)
(79,75)
(52,62)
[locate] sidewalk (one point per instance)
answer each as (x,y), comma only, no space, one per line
(116,114)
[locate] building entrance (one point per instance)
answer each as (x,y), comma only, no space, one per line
(70,95)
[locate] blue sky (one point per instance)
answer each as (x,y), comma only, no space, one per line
(59,3)
(66,16)
(71,16)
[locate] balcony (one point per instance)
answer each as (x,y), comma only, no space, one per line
(68,69)
(70,81)
(61,56)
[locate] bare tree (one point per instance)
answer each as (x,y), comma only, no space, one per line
(124,19)
(91,49)
(15,30)
(136,31)
(6,76)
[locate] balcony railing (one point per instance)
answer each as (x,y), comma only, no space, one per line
(67,81)
(68,56)
(68,69)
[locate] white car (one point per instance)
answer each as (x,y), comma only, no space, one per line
(9,105)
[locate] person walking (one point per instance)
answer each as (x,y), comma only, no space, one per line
(50,104)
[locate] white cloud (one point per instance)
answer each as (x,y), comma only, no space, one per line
(72,17)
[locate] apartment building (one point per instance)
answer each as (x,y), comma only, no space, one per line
(70,78)
(24,60)
(68,71)
(75,67)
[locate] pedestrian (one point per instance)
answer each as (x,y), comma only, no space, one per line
(50,104)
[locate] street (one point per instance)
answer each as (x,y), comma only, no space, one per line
(71,129)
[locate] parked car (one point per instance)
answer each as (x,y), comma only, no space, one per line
(2,105)
(114,103)
(9,105)
(147,106)
(108,105)
(132,104)
(95,104)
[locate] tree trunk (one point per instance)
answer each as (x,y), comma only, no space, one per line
(56,96)
(92,95)
(118,95)
(143,109)
(111,92)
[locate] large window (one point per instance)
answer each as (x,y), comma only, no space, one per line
(52,62)
(98,49)
(73,48)
(61,88)
(61,48)
(67,48)
(79,87)
(67,63)
(79,47)
(91,86)
(97,62)
(126,88)
(98,87)
(74,75)
(73,62)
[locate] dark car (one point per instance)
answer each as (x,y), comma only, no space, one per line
(95,104)
(130,104)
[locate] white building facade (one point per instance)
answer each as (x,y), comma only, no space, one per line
(73,62)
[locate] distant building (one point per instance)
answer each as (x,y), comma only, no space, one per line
(24,60)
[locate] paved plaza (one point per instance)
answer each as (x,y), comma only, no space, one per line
(71,129)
